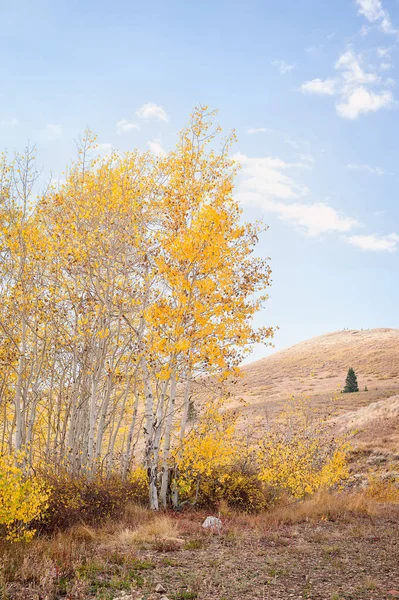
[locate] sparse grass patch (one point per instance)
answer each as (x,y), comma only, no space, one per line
(331,551)
(195,544)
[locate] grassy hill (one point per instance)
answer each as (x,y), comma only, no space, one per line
(317,370)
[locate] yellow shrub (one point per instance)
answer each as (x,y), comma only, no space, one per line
(300,456)
(209,448)
(22,500)
(239,490)
(382,490)
(138,481)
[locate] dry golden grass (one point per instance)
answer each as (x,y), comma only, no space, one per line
(160,527)
(322,363)
(317,369)
(322,506)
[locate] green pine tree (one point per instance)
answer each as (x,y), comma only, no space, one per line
(351,382)
(192,411)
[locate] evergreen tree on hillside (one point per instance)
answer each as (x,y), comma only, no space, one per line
(351,382)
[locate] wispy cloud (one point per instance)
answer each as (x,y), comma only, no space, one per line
(318,47)
(254,130)
(384,52)
(359,91)
(323,87)
(375,243)
(312,219)
(123,126)
(270,176)
(283,66)
(374,12)
(368,168)
(274,185)
(269,183)
(152,111)
(156,147)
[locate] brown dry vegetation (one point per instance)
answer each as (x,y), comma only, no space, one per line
(317,368)
(318,549)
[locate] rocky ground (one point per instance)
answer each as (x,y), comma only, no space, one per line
(332,555)
(319,561)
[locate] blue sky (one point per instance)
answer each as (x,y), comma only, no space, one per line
(310,87)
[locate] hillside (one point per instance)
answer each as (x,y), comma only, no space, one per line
(317,369)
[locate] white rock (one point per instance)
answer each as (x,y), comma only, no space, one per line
(160,589)
(212,523)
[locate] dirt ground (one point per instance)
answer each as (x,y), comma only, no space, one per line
(342,558)
(325,560)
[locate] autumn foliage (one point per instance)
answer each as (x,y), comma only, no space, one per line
(122,286)
(128,295)
(22,500)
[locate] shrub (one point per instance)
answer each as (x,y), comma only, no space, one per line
(301,456)
(302,466)
(78,499)
(383,490)
(23,500)
(241,491)
(208,451)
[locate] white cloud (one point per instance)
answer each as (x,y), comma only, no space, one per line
(375,243)
(319,86)
(361,101)
(123,126)
(268,176)
(13,122)
(385,66)
(313,219)
(369,168)
(352,72)
(53,131)
(253,130)
(152,111)
(374,12)
(156,147)
(351,85)
(268,183)
(283,66)
(371,9)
